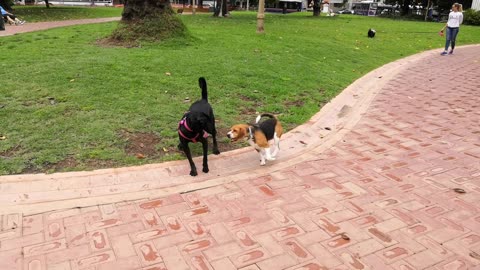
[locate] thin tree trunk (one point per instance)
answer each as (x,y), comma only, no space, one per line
(218,8)
(224,8)
(427,10)
(261,17)
(316,7)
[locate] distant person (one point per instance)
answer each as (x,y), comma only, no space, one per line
(9,17)
(455,18)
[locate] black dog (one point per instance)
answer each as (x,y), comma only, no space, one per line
(371,33)
(195,125)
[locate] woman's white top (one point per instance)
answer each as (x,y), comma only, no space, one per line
(455,19)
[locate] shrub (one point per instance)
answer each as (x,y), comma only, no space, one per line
(471,17)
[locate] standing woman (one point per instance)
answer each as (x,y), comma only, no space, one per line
(455,18)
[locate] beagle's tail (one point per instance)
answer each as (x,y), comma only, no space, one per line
(203,85)
(265,114)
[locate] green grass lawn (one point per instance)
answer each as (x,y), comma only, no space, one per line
(54,13)
(69,104)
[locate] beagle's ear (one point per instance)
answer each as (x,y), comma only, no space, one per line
(241,132)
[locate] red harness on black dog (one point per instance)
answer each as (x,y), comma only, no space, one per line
(183,123)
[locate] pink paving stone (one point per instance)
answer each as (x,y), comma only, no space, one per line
(13,233)
(364,248)
(196,212)
(278,262)
(122,246)
(311,265)
(197,245)
(172,240)
(296,250)
(76,235)
(249,257)
(287,232)
(70,253)
(394,253)
(172,209)
(150,218)
(423,259)
(27,240)
(224,264)
(193,200)
(172,223)
(32,224)
(88,217)
(279,216)
(11,259)
(323,255)
(54,229)
(148,253)
(455,264)
(109,211)
(35,263)
(122,264)
(352,261)
(128,213)
(196,228)
(44,248)
(245,239)
(144,235)
(101,224)
(222,251)
(250,267)
(173,259)
(160,266)
(152,204)
(199,262)
(12,221)
(93,260)
(327,226)
(99,240)
(125,228)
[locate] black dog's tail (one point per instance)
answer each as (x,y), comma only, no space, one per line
(203,85)
(265,114)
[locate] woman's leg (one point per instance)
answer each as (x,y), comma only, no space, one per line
(10,21)
(448,38)
(454,36)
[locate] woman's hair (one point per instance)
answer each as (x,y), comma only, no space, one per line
(458,6)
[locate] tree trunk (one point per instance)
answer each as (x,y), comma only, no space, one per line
(261,17)
(224,8)
(427,10)
(316,7)
(218,8)
(148,20)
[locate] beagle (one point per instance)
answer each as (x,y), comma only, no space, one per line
(260,135)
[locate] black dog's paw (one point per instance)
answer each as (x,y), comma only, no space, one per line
(216,152)
(193,173)
(205,170)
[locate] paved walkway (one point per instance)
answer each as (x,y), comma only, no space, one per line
(31,27)
(367,183)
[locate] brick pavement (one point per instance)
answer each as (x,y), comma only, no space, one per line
(375,191)
(31,27)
